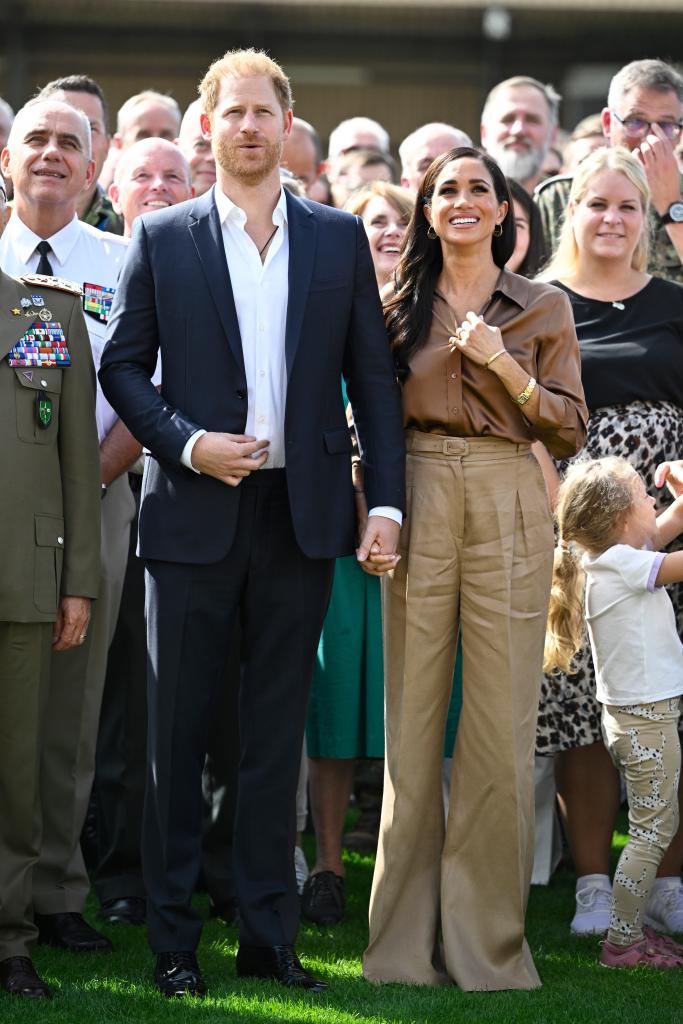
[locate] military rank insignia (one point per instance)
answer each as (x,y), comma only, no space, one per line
(97,301)
(43,344)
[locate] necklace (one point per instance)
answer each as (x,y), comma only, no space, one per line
(270,238)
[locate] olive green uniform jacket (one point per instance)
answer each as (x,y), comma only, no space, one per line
(50,494)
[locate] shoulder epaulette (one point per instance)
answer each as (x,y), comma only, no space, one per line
(60,284)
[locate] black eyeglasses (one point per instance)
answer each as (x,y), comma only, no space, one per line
(638,128)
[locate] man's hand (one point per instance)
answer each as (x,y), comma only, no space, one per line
(228,457)
(377,549)
(71,627)
(656,153)
(671,474)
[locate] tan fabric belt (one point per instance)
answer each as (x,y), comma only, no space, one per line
(461,447)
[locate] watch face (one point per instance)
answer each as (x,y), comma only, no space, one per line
(676,212)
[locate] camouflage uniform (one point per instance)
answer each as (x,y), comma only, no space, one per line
(551,198)
(101,214)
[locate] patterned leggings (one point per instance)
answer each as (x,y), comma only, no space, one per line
(642,740)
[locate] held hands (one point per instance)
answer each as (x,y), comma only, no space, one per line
(477,340)
(656,154)
(229,457)
(71,627)
(377,549)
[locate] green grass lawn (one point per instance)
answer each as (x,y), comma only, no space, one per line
(99,988)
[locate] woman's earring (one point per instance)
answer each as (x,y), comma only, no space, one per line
(498,231)
(431,233)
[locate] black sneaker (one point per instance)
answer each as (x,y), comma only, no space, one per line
(324,898)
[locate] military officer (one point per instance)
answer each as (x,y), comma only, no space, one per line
(48,158)
(50,525)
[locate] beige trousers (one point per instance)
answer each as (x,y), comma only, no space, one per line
(476,551)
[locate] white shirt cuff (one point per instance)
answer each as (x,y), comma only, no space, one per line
(186,454)
(389,512)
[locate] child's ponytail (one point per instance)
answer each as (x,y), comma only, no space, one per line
(565,631)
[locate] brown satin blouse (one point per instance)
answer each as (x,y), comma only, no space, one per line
(446,393)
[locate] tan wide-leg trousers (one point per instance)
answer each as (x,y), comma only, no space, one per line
(476,551)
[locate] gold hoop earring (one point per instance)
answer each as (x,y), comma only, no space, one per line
(498,231)
(431,233)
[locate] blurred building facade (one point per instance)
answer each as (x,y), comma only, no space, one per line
(403,62)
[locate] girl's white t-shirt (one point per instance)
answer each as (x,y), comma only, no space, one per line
(637,652)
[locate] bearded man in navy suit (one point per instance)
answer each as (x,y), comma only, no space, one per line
(258,302)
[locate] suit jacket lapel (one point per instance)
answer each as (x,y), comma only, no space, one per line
(207,235)
(303,233)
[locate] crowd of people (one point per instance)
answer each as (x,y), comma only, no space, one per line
(283,433)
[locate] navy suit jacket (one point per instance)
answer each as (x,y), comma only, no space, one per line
(174,295)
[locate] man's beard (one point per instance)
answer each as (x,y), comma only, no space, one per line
(238,165)
(520,166)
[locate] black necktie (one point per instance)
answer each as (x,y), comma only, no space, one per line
(44,266)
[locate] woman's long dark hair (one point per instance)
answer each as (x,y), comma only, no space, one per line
(537,253)
(408,313)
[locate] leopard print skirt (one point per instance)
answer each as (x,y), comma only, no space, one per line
(645,433)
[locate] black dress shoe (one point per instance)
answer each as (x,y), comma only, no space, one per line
(226,911)
(70,931)
(125,910)
(277,962)
(178,974)
(18,977)
(324,898)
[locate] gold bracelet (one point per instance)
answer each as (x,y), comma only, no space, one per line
(495,355)
(525,395)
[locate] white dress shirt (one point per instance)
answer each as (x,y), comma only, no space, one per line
(80,253)
(260,290)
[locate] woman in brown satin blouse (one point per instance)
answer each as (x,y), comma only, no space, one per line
(476,552)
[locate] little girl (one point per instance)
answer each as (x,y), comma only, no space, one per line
(604,510)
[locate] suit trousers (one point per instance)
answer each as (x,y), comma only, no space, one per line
(281,597)
(477,550)
(24,681)
(60,879)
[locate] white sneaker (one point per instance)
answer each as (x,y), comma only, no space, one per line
(301,868)
(664,909)
(593,905)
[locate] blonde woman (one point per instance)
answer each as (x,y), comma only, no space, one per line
(630,330)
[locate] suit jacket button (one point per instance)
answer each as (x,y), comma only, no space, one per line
(240,393)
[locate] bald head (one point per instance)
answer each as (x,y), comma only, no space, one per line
(302,152)
(196,149)
(45,112)
(421,147)
(151,175)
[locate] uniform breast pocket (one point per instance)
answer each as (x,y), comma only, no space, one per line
(37,394)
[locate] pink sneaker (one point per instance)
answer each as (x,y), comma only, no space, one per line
(664,942)
(639,954)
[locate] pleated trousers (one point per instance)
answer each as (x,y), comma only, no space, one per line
(448,902)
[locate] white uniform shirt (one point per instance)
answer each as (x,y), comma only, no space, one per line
(632,627)
(80,253)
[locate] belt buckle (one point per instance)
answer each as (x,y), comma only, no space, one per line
(454,446)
